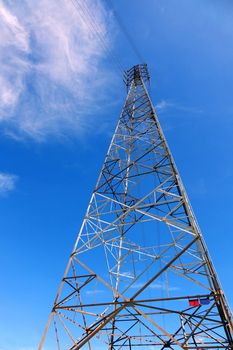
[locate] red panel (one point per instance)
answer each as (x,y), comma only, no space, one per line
(194,302)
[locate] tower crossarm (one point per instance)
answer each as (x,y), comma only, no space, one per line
(137,74)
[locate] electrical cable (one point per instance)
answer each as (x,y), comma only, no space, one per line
(91,23)
(95,23)
(126,33)
(93,27)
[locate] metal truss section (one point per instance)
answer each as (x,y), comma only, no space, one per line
(136,74)
(140,275)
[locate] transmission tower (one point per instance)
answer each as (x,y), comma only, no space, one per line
(139,276)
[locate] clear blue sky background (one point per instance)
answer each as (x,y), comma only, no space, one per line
(188,45)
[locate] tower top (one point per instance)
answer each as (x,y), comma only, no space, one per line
(136,74)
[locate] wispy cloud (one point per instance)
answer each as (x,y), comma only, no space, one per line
(199,188)
(7,182)
(14,45)
(155,286)
(28,348)
(164,105)
(94,291)
(50,65)
(163,287)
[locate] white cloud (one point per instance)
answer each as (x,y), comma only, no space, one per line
(28,348)
(13,46)
(50,65)
(198,188)
(7,182)
(163,287)
(164,105)
(94,291)
(155,286)
(12,32)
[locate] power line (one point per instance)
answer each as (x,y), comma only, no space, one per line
(90,21)
(95,23)
(125,32)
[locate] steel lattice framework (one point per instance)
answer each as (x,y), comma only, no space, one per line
(140,274)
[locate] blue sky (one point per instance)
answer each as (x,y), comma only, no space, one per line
(60,99)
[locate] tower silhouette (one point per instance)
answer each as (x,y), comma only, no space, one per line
(140,275)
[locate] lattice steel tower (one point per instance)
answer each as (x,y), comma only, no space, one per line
(140,276)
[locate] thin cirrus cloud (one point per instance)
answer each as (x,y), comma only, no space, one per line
(159,286)
(7,182)
(50,65)
(164,106)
